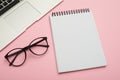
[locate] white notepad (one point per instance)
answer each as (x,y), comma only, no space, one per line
(76,40)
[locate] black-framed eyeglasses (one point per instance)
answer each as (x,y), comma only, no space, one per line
(16,57)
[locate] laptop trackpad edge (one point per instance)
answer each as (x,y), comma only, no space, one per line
(22,17)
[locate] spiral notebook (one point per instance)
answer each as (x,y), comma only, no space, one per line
(76,40)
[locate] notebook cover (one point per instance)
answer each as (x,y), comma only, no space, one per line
(76,40)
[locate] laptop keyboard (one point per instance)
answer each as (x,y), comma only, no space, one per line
(5,5)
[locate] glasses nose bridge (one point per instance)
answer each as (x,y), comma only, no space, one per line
(26,48)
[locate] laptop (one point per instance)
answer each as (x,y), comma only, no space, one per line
(17,15)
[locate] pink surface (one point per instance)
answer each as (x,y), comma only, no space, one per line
(107,17)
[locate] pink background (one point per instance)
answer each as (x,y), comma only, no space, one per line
(107,17)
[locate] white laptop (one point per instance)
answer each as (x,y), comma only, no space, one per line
(17,15)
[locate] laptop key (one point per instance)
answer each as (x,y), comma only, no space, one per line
(5,3)
(1,7)
(9,1)
(0,1)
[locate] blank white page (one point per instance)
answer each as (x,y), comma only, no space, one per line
(76,41)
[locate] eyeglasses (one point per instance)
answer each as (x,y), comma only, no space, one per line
(16,57)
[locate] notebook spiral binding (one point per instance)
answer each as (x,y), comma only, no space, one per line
(69,12)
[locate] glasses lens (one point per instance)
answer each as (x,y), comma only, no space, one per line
(16,57)
(40,46)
